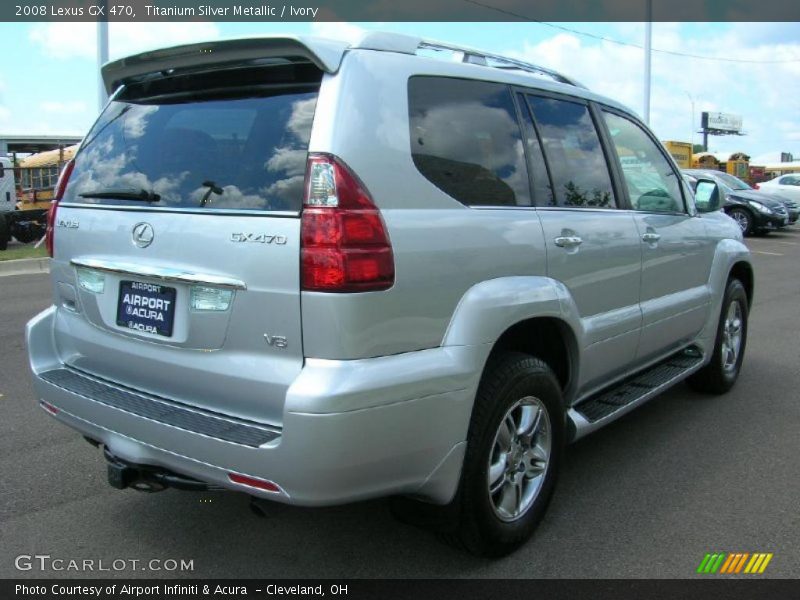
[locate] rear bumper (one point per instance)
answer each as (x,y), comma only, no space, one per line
(351,429)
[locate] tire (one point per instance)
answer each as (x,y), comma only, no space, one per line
(516,388)
(744,219)
(721,373)
(31,233)
(5,232)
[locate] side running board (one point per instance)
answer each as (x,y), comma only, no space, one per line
(610,404)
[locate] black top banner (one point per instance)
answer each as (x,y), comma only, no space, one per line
(400,10)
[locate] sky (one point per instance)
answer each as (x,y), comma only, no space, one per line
(49,74)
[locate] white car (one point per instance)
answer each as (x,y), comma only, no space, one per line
(787,186)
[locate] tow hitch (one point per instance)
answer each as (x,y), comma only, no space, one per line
(148,478)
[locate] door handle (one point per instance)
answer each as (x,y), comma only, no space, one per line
(568,241)
(651,238)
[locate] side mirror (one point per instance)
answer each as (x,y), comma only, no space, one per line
(707,196)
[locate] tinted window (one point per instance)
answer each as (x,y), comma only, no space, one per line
(253,150)
(465,139)
(733,182)
(789,180)
(574,154)
(652,183)
(542,190)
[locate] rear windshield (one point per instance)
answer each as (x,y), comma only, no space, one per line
(240,153)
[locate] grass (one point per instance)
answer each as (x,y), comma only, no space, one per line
(16,251)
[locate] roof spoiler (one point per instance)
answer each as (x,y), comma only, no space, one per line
(325,54)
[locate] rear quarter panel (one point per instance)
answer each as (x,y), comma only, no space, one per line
(441,247)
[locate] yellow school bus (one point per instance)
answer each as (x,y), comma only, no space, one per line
(38,175)
(681,152)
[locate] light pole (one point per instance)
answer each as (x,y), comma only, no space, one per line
(691,99)
(102,56)
(648,34)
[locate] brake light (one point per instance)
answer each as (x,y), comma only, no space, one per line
(757,186)
(51,212)
(345,247)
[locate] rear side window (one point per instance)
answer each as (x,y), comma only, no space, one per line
(242,153)
(465,139)
(577,164)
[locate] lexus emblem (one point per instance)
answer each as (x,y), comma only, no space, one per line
(143,234)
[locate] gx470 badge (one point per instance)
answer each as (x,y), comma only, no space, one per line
(259,238)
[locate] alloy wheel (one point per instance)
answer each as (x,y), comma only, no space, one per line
(519,458)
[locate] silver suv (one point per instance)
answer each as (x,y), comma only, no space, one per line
(317,273)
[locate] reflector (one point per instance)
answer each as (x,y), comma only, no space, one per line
(261,484)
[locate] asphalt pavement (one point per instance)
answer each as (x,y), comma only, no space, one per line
(646,497)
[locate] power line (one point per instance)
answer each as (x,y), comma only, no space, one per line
(671,52)
(631,44)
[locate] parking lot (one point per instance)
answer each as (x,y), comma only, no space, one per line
(646,497)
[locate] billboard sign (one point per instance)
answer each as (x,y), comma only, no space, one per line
(717,121)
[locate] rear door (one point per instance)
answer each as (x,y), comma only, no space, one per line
(177,240)
(592,245)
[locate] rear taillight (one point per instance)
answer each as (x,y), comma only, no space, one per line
(757,186)
(345,247)
(51,213)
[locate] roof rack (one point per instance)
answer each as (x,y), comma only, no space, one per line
(407,44)
(479,57)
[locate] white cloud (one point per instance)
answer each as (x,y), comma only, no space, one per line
(127,38)
(65,40)
(79,40)
(347,32)
(770,33)
(590,64)
(70,107)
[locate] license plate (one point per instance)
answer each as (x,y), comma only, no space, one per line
(146,307)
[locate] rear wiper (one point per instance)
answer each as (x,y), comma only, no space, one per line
(124,194)
(213,188)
